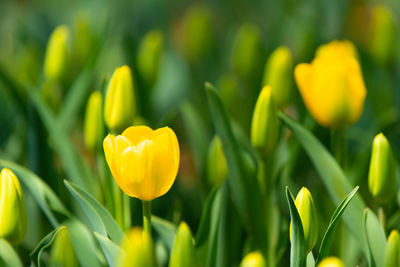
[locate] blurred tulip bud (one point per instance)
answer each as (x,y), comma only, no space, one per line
(148,59)
(383,35)
(382,172)
(278,74)
(331,262)
(13,217)
(265,124)
(138,250)
(308,215)
(392,252)
(93,125)
(184,253)
(83,39)
(246,51)
(197,32)
(253,259)
(119,106)
(217,168)
(332,86)
(62,252)
(56,62)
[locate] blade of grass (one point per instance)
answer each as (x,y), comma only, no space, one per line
(375,237)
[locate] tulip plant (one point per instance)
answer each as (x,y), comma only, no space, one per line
(153,134)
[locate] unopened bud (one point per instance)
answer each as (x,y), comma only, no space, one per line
(253,259)
(183,253)
(62,252)
(217,168)
(93,125)
(392,252)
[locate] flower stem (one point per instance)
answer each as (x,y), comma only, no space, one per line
(147,216)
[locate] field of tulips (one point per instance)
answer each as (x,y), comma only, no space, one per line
(200,133)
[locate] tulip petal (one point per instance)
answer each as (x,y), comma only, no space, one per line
(136,134)
(110,153)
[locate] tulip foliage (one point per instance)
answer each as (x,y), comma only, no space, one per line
(200,134)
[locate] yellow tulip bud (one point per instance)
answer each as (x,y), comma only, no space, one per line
(62,251)
(246,51)
(184,253)
(265,124)
(382,172)
(278,74)
(308,215)
(253,259)
(197,32)
(57,56)
(331,262)
(217,167)
(93,125)
(383,35)
(137,250)
(332,86)
(119,106)
(149,55)
(13,217)
(144,162)
(392,252)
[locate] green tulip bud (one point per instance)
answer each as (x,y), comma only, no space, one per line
(278,74)
(246,51)
(197,32)
(382,178)
(183,252)
(253,259)
(383,35)
(392,252)
(331,262)
(137,250)
(149,55)
(119,107)
(217,167)
(57,56)
(93,125)
(13,217)
(265,124)
(62,252)
(83,39)
(308,215)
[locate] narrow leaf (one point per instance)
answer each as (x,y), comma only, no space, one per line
(43,244)
(110,249)
(375,237)
(205,221)
(165,230)
(8,256)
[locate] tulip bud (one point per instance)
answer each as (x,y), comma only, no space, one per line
(278,74)
(308,215)
(197,32)
(217,168)
(13,217)
(253,259)
(265,124)
(62,252)
(93,124)
(183,253)
(331,262)
(383,35)
(137,249)
(119,107)
(149,54)
(392,252)
(83,39)
(246,51)
(57,56)
(382,178)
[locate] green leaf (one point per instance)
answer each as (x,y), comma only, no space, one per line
(8,256)
(205,221)
(298,243)
(375,237)
(40,191)
(110,249)
(242,173)
(310,260)
(43,244)
(333,177)
(84,244)
(329,234)
(214,228)
(165,230)
(100,218)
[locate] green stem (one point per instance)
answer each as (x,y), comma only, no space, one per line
(338,146)
(147,216)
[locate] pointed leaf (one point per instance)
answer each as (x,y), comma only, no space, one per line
(43,244)
(375,237)
(8,256)
(165,230)
(110,249)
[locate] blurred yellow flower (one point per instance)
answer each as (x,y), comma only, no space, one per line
(332,86)
(331,262)
(144,162)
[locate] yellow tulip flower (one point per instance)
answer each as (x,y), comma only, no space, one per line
(332,86)
(331,262)
(144,162)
